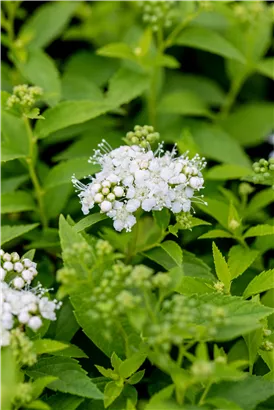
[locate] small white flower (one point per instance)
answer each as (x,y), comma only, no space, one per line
(27,275)
(18,283)
(132,205)
(2,274)
(27,263)
(35,323)
(7,257)
(24,317)
(118,191)
(98,198)
(106,206)
(8,266)
(15,257)
(18,267)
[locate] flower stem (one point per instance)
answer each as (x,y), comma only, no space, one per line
(33,175)
(202,399)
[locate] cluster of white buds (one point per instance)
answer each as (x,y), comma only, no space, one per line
(19,271)
(133,178)
(24,96)
(158,14)
(22,305)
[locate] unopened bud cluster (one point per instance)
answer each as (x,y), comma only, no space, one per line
(134,178)
(267,345)
(22,348)
(19,271)
(219,287)
(24,96)
(142,136)
(158,14)
(263,170)
(249,12)
(184,219)
(23,395)
(178,321)
(22,305)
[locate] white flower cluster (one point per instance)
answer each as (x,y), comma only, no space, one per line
(133,178)
(20,304)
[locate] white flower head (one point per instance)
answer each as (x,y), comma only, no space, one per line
(134,177)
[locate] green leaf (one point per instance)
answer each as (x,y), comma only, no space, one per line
(239,259)
(250,123)
(162,218)
(132,364)
(71,377)
(221,267)
(40,384)
(61,401)
(40,69)
(15,142)
(89,221)
(184,103)
(168,255)
(227,171)
(70,351)
(12,183)
(208,40)
(242,316)
(18,201)
(78,88)
(62,173)
(216,233)
(47,23)
(111,392)
(221,403)
(126,85)
(253,341)
(56,198)
(137,377)
(117,50)
(195,267)
(9,378)
(262,282)
(191,285)
(65,325)
(217,209)
(69,113)
(37,405)
(247,393)
(259,201)
(266,67)
(268,358)
(11,232)
(42,346)
(259,230)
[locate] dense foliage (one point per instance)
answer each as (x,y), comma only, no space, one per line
(159,296)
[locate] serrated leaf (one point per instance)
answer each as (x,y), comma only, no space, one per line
(266,67)
(69,113)
(184,103)
(259,230)
(168,255)
(89,221)
(62,173)
(18,201)
(221,267)
(191,285)
(111,392)
(131,365)
(61,401)
(247,393)
(262,282)
(70,351)
(71,377)
(14,141)
(259,201)
(12,183)
(42,346)
(126,85)
(216,233)
(47,23)
(239,259)
(11,232)
(227,171)
(39,69)
(40,384)
(195,267)
(209,40)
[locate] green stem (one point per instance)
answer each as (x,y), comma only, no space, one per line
(202,399)
(231,96)
(39,193)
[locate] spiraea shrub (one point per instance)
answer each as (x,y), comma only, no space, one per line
(137,238)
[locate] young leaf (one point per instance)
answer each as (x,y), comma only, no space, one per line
(70,351)
(18,201)
(217,209)
(168,255)
(42,346)
(131,365)
(259,230)
(111,392)
(40,384)
(216,233)
(239,259)
(221,267)
(47,23)
(11,232)
(209,40)
(71,377)
(136,378)
(259,201)
(260,283)
(227,171)
(89,221)
(117,50)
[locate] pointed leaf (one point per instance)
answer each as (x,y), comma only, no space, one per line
(11,232)
(239,259)
(260,283)
(221,267)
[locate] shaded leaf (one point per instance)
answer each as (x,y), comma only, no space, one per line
(11,232)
